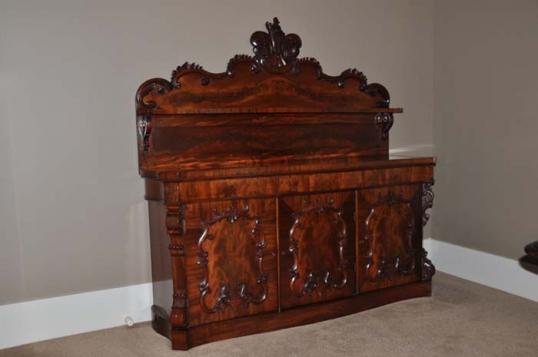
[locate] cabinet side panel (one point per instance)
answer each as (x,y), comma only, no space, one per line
(161,266)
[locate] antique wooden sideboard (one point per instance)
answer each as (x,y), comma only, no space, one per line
(273,201)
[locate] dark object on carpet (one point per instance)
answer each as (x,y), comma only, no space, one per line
(530,261)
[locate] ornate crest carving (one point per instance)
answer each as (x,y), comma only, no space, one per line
(275,52)
(274,49)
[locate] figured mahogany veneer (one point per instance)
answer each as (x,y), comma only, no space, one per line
(272,198)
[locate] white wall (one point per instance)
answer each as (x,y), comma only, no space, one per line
(72,213)
(10,253)
(486,126)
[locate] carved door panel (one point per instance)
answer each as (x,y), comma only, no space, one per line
(231,259)
(317,247)
(390,233)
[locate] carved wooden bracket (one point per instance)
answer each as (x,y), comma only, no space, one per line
(384,121)
(428,269)
(427,201)
(143,127)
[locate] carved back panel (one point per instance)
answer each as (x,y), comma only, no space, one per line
(271,107)
(317,250)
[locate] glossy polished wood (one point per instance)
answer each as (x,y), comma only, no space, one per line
(231,261)
(389,240)
(317,248)
(273,200)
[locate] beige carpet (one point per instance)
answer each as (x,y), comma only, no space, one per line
(462,319)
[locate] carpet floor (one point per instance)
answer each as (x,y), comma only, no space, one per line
(461,319)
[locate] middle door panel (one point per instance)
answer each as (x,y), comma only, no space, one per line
(317,247)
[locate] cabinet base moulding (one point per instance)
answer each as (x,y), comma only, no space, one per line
(188,337)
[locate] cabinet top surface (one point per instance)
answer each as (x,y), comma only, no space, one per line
(305,168)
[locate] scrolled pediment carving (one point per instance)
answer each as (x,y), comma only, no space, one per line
(275,54)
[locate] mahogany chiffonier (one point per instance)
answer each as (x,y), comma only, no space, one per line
(272,198)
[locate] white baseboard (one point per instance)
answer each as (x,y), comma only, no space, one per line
(483,268)
(38,320)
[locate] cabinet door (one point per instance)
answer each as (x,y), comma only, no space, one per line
(317,247)
(232,259)
(390,234)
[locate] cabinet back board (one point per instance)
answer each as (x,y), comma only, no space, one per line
(270,108)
